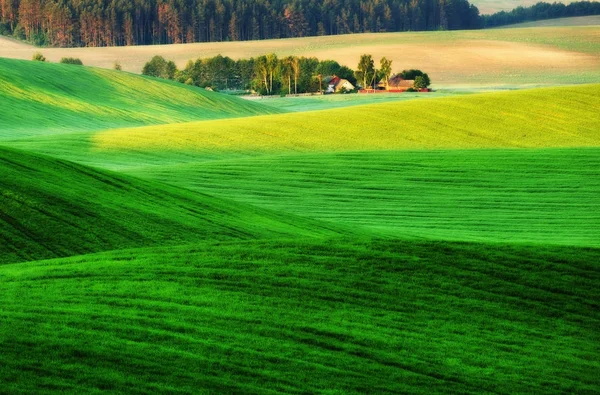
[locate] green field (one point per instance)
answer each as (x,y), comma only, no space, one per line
(158,238)
(42,98)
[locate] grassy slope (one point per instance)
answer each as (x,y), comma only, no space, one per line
(305,317)
(53,208)
(553,117)
(39,98)
(541,196)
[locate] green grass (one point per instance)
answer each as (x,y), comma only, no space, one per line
(396,247)
(552,117)
(537,196)
(53,208)
(41,98)
(327,102)
(305,317)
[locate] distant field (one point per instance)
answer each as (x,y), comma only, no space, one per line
(495,57)
(574,21)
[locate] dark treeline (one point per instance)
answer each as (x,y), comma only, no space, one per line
(541,11)
(123,22)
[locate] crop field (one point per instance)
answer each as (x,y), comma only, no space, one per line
(158,238)
(466,59)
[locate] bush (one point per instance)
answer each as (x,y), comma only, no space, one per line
(117,66)
(75,61)
(38,57)
(411,90)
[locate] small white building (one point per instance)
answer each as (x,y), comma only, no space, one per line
(336,84)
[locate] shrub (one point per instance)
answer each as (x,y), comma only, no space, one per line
(117,66)
(38,57)
(75,61)
(411,90)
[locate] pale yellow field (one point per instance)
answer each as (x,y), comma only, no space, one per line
(527,118)
(509,57)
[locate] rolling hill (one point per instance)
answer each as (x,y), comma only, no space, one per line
(41,98)
(545,196)
(304,317)
(53,208)
(551,117)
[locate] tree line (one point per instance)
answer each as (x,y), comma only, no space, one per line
(271,75)
(541,11)
(68,23)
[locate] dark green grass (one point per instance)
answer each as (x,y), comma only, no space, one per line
(541,196)
(304,317)
(41,98)
(51,208)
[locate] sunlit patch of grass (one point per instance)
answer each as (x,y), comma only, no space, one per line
(552,117)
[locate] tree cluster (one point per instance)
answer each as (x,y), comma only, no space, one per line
(67,23)
(267,74)
(271,75)
(541,11)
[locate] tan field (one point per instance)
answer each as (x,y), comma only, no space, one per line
(498,57)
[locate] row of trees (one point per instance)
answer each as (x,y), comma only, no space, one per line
(271,75)
(68,23)
(542,11)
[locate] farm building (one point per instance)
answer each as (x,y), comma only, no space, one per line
(337,84)
(397,84)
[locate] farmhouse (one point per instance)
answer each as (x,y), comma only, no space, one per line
(397,84)
(337,84)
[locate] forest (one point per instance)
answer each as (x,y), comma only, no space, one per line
(68,23)
(94,23)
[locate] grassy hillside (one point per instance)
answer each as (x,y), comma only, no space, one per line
(555,55)
(41,98)
(538,196)
(305,317)
(53,208)
(553,117)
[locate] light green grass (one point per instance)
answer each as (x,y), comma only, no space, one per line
(52,208)
(41,98)
(305,317)
(327,102)
(537,196)
(552,117)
